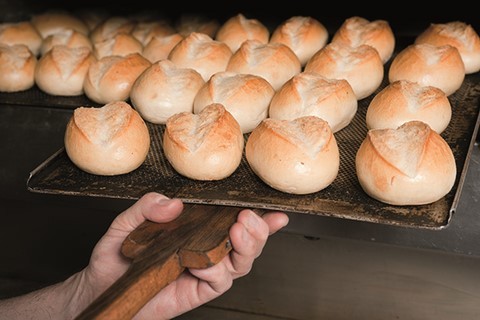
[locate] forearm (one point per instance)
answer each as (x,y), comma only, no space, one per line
(63,300)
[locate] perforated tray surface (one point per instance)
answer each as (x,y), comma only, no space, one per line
(344,198)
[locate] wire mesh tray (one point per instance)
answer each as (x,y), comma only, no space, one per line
(344,198)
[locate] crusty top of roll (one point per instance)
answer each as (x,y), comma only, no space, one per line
(111,27)
(300,156)
(61,71)
(204,146)
(159,47)
(275,62)
(121,44)
(245,96)
(361,66)
(304,35)
(17,68)
(164,89)
(22,32)
(109,140)
(309,93)
(111,78)
(55,20)
(200,52)
(403,101)
(429,65)
(458,34)
(356,31)
(68,37)
(239,28)
(409,165)
(144,31)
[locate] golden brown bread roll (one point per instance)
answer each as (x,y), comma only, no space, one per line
(246,96)
(201,53)
(239,28)
(403,101)
(409,165)
(121,44)
(188,23)
(164,89)
(275,62)
(429,65)
(111,78)
(61,71)
(356,31)
(109,140)
(458,34)
(17,68)
(304,35)
(144,31)
(57,20)
(298,157)
(310,94)
(204,146)
(361,66)
(22,32)
(111,27)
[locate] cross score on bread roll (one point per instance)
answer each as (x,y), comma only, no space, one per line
(22,32)
(246,96)
(204,146)
(429,65)
(403,101)
(165,89)
(297,157)
(361,66)
(68,37)
(356,31)
(304,35)
(309,93)
(458,34)
(409,165)
(109,140)
(17,68)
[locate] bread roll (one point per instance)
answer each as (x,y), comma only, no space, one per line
(22,32)
(17,68)
(92,16)
(361,66)
(61,71)
(200,52)
(109,140)
(298,157)
(458,34)
(356,31)
(163,90)
(204,146)
(246,96)
(111,78)
(57,20)
(121,44)
(403,101)
(429,65)
(310,94)
(239,28)
(275,62)
(304,35)
(159,47)
(410,165)
(111,27)
(67,37)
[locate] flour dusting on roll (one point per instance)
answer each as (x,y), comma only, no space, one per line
(17,68)
(298,157)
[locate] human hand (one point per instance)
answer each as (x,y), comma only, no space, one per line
(194,287)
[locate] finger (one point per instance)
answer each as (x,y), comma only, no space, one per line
(275,221)
(151,206)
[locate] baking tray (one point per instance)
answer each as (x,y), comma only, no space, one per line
(344,198)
